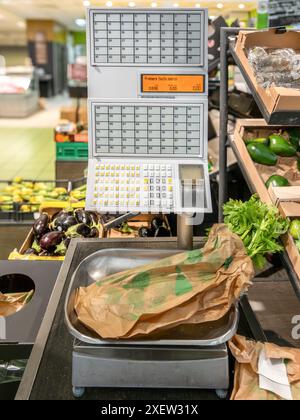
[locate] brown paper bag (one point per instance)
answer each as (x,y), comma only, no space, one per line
(11,303)
(189,288)
(246,381)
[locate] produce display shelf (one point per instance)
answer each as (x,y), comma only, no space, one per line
(71,151)
(227,36)
(248,176)
(51,357)
(291,118)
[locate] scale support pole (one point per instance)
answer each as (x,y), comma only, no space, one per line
(184,232)
(223,177)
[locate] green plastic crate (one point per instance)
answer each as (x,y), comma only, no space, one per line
(71,151)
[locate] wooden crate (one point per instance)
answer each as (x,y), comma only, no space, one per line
(258,174)
(287,199)
(292,211)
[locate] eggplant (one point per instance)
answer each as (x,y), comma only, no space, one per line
(144,232)
(78,231)
(61,249)
(83,216)
(156,223)
(162,232)
(95,217)
(35,245)
(45,254)
(50,241)
(31,251)
(41,225)
(94,232)
(64,222)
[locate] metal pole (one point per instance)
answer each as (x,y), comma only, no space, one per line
(223,177)
(184,233)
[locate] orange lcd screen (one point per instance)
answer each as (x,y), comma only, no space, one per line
(168,83)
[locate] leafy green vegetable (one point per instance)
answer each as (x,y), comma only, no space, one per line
(258,225)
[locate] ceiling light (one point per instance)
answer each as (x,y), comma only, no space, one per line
(242,6)
(198,5)
(80,22)
(131,4)
(175,5)
(109,4)
(86,3)
(154,4)
(220,5)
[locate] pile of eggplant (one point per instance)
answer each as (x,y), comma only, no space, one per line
(52,236)
(157,229)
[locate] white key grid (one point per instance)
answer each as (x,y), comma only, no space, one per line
(148,130)
(162,38)
(119,186)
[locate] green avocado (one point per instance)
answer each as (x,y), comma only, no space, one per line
(261,154)
(260,140)
(281,147)
(294,136)
(277,181)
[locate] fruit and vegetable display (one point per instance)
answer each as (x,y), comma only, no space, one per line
(258,225)
(52,236)
(274,150)
(27,196)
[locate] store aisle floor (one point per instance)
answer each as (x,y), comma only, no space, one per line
(27,152)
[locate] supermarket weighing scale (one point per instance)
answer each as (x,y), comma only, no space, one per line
(148,119)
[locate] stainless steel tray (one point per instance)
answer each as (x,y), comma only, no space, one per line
(109,261)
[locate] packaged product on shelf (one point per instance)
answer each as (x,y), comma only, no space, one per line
(280,67)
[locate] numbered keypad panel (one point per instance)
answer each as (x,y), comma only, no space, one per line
(123,186)
(174,130)
(139,38)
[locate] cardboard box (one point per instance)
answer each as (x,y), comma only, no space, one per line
(275,99)
(258,174)
(69,113)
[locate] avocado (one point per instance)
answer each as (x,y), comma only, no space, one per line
(277,181)
(281,147)
(261,154)
(260,140)
(294,137)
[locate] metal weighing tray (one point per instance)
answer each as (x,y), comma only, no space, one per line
(110,261)
(193,356)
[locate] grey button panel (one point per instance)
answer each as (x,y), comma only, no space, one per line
(149,129)
(161,38)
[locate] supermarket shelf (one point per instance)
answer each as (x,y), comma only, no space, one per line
(275,118)
(227,36)
(294,279)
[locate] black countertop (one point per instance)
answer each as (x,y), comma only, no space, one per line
(54,344)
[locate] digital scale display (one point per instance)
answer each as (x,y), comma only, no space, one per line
(172,83)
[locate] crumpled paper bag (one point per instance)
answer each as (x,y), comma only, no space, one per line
(10,303)
(246,381)
(193,287)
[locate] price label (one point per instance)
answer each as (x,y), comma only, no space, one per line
(173,83)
